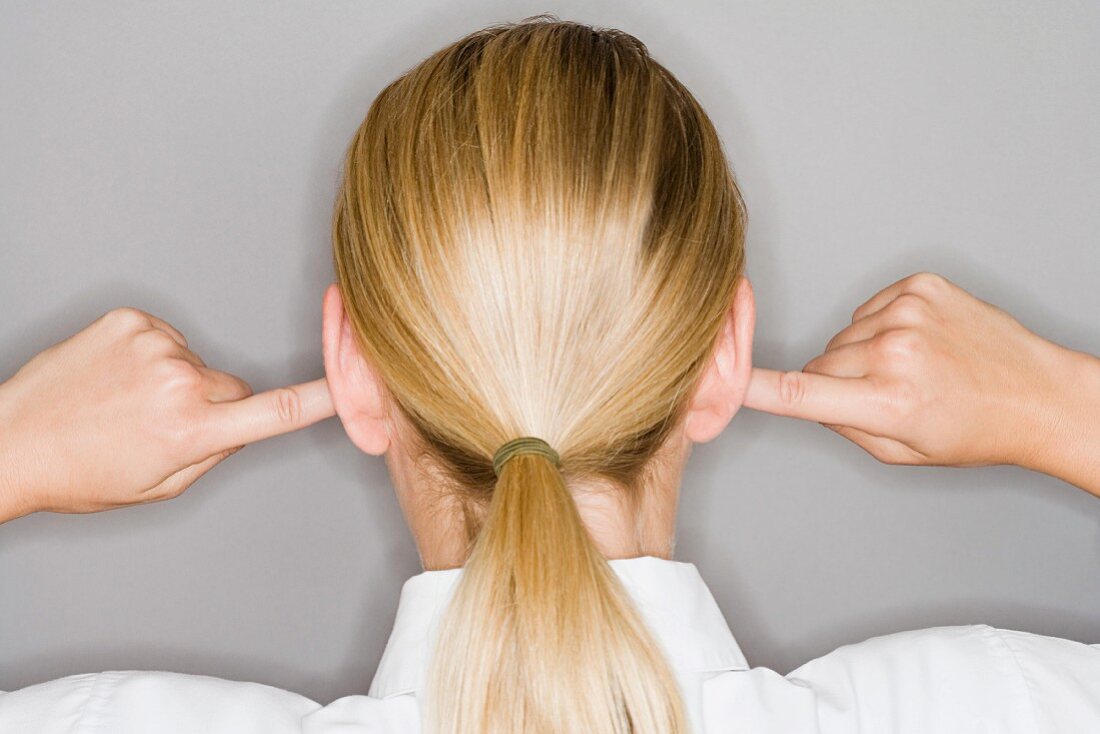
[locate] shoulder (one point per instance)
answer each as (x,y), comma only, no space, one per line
(127,702)
(944,679)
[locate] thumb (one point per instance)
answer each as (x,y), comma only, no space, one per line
(174,484)
(847,401)
(269,413)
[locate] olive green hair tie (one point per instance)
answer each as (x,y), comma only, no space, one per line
(523,445)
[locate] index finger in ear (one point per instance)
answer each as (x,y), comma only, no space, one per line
(849,401)
(269,413)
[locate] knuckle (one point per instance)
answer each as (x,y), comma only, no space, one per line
(126,317)
(792,388)
(288,405)
(898,344)
(927,283)
(179,374)
(155,341)
(908,308)
(177,385)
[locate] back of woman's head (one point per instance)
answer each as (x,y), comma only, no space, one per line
(538,235)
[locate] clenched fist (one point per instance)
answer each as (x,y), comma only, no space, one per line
(124,413)
(928,374)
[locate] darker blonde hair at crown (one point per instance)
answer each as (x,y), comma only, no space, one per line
(538,234)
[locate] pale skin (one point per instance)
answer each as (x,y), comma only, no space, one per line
(125,413)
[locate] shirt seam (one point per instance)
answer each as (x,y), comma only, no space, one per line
(1003,639)
(91,713)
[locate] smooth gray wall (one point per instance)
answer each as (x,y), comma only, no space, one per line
(182,158)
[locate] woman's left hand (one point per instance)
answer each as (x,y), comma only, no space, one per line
(929,374)
(124,413)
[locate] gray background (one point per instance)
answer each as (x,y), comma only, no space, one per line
(182,158)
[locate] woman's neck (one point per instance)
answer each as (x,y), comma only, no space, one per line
(620,527)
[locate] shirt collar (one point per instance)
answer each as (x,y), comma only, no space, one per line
(670,595)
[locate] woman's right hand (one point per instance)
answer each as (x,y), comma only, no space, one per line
(928,374)
(124,413)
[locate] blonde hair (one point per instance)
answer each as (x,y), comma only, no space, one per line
(538,234)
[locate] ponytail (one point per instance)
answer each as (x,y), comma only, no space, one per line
(540,636)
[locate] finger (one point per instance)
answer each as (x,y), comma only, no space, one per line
(858,331)
(188,356)
(176,349)
(269,413)
(176,335)
(223,386)
(886,450)
(848,360)
(904,310)
(821,398)
(883,297)
(175,484)
(166,327)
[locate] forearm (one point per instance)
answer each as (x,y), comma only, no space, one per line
(1066,442)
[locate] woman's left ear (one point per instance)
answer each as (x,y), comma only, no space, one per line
(721,393)
(357,391)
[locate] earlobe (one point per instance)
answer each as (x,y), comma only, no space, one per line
(355,387)
(722,389)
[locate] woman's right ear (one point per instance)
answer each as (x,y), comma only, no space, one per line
(721,392)
(357,391)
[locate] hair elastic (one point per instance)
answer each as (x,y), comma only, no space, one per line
(523,445)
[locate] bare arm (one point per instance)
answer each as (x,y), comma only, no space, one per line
(1068,446)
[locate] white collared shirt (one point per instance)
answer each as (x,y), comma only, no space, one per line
(973,678)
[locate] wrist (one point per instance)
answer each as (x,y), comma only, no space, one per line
(14,500)
(1065,432)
